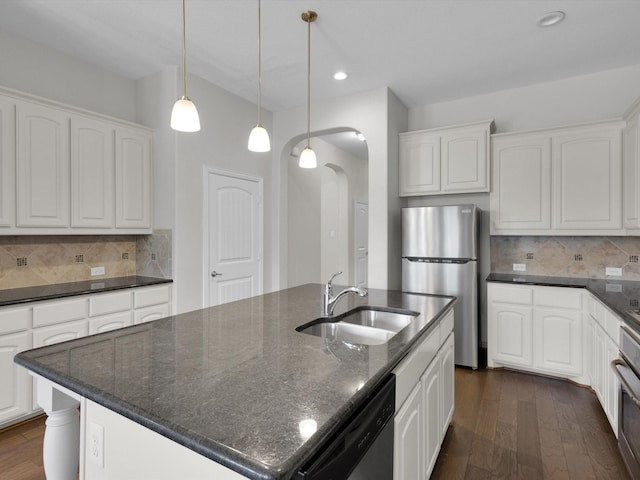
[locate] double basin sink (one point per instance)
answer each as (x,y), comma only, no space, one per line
(361,326)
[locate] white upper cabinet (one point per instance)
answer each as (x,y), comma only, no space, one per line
(133,179)
(587,178)
(67,171)
(521,197)
(563,181)
(465,160)
(7,161)
(631,168)
(92,173)
(42,162)
(445,160)
(419,167)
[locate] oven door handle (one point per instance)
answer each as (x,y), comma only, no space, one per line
(615,365)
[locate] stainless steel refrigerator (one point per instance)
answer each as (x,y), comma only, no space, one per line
(439,255)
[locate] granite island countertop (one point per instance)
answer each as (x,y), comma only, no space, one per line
(15,296)
(621,296)
(233,382)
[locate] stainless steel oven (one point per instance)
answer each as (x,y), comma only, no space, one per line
(627,369)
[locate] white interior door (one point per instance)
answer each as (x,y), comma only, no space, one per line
(362,243)
(234,237)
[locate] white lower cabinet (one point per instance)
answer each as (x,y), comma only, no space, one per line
(569,333)
(536,328)
(15,394)
(423,415)
(48,322)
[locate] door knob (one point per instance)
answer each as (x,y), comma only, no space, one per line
(215,274)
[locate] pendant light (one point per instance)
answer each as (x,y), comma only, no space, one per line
(259,137)
(308,156)
(184,116)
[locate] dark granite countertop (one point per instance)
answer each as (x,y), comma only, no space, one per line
(15,296)
(619,295)
(233,382)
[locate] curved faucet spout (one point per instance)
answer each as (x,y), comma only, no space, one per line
(329,300)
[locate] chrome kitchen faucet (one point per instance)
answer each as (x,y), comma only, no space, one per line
(329,301)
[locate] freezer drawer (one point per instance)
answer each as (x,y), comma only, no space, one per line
(456,279)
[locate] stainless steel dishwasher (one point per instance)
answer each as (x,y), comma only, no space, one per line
(363,448)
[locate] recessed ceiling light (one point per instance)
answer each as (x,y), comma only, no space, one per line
(340,75)
(550,19)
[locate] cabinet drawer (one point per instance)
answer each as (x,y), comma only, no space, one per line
(148,314)
(411,368)
(559,297)
(15,320)
(110,303)
(151,296)
(519,294)
(59,312)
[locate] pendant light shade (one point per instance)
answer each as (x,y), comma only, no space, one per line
(259,137)
(308,159)
(308,156)
(184,116)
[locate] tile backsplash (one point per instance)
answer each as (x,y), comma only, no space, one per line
(27,261)
(567,256)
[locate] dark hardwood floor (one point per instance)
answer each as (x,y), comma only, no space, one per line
(510,425)
(506,425)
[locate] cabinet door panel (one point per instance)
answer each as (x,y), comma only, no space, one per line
(148,314)
(15,394)
(7,162)
(558,340)
(587,169)
(521,196)
(447,362)
(611,384)
(432,404)
(419,168)
(106,323)
(631,167)
(510,334)
(133,180)
(42,158)
(464,161)
(92,174)
(408,451)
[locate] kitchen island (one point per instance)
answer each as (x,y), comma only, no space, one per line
(236,384)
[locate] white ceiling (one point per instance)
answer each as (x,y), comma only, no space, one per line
(426,51)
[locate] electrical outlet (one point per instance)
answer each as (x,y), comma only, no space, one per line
(97,271)
(96,444)
(519,267)
(613,272)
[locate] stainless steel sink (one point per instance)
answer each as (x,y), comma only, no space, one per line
(362,326)
(393,321)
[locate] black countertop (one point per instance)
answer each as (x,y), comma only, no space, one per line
(16,296)
(233,382)
(621,296)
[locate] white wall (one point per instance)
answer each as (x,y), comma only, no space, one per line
(311,246)
(368,113)
(33,68)
(226,121)
(587,98)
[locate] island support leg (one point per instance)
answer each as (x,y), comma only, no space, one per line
(61,448)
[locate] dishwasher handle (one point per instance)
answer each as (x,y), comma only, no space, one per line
(616,365)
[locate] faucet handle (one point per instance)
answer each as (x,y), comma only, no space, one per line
(328,288)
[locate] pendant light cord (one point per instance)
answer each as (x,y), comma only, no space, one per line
(184,53)
(309,83)
(259,65)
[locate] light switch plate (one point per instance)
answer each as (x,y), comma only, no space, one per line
(519,267)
